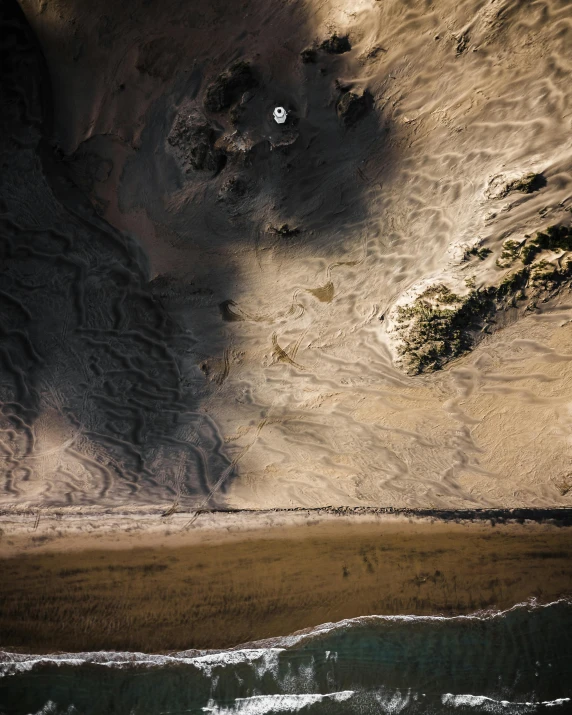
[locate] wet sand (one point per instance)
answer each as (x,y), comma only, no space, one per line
(176,589)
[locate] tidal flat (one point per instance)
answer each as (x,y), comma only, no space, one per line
(179,590)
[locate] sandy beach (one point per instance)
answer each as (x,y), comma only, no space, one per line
(136,582)
(258,377)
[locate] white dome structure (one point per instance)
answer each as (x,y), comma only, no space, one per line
(280,115)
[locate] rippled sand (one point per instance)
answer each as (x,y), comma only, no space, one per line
(230,364)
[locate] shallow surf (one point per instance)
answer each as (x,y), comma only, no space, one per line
(514,661)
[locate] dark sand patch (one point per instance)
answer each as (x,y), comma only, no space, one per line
(219,595)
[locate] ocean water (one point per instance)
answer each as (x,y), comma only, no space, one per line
(515,661)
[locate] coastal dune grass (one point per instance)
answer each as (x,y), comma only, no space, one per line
(220,595)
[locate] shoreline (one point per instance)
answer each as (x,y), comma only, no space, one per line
(43,530)
(122,658)
(141,583)
(563,513)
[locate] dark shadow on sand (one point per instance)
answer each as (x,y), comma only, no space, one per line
(100,366)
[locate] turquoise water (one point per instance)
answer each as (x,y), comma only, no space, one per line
(517,661)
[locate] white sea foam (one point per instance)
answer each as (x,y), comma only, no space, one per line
(261,654)
(263,704)
(484,615)
(393,703)
(489,705)
(50,708)
(263,659)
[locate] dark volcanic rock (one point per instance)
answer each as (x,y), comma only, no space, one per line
(193,140)
(229,86)
(309,55)
(336,45)
(284,230)
(352,107)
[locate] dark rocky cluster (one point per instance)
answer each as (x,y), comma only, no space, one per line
(352,107)
(193,139)
(228,87)
(309,55)
(284,230)
(336,44)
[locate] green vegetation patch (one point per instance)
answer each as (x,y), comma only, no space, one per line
(527,184)
(551,239)
(509,253)
(513,284)
(480,252)
(439,326)
(549,275)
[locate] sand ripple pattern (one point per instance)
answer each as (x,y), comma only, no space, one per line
(194,352)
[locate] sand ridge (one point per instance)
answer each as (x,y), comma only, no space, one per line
(202,356)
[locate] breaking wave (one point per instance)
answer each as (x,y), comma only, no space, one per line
(516,662)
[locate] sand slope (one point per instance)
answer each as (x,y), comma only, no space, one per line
(186,349)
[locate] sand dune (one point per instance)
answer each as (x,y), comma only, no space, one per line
(202,308)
